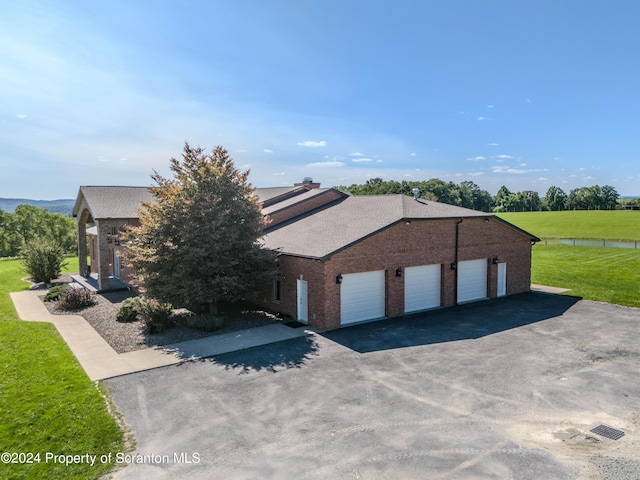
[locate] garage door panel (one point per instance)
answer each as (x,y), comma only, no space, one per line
(472,280)
(421,287)
(362,297)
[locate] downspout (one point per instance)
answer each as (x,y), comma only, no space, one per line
(454,265)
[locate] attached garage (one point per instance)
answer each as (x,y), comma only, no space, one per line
(421,288)
(362,297)
(472,280)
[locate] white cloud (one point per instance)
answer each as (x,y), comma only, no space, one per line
(476,174)
(522,165)
(378,161)
(493,144)
(266,150)
(357,154)
(278,173)
(490,106)
(311,143)
(326,164)
(517,171)
(504,157)
(361,160)
(412,154)
(375,175)
(481,118)
(21,115)
(543,179)
(477,159)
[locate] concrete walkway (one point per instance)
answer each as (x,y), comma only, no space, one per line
(546,289)
(101,361)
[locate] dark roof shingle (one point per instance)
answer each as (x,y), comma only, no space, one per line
(330,229)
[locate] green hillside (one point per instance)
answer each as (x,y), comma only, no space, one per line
(610,225)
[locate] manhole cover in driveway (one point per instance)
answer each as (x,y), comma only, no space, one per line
(608,432)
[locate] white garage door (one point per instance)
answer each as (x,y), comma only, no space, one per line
(421,288)
(472,280)
(361,297)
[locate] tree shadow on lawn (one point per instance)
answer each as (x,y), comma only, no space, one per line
(462,322)
(273,357)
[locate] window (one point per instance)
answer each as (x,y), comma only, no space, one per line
(276,290)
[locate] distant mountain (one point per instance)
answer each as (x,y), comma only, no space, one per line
(63,206)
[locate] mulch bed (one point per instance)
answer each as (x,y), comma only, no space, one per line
(128,337)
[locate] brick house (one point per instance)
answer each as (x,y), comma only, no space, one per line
(346,259)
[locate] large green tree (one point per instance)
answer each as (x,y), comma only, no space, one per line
(198,242)
(555,199)
(30,224)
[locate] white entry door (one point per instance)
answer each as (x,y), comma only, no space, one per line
(502,279)
(362,297)
(472,280)
(303,302)
(421,288)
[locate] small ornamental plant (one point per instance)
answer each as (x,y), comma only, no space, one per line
(55,292)
(75,299)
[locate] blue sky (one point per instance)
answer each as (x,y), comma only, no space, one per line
(526,94)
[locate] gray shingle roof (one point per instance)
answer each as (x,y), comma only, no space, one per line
(330,229)
(124,202)
(268,193)
(113,202)
(293,200)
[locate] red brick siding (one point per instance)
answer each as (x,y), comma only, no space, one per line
(292,269)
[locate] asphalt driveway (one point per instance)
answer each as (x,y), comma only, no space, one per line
(507,389)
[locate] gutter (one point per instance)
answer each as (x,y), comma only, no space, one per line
(454,265)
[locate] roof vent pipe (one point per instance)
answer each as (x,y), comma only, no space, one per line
(415,191)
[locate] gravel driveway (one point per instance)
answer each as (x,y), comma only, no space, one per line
(507,389)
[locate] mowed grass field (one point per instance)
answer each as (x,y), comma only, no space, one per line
(47,402)
(603,224)
(595,273)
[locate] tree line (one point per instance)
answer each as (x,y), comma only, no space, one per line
(30,224)
(469,195)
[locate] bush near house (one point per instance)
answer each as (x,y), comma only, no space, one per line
(129,310)
(156,316)
(75,299)
(55,292)
(43,260)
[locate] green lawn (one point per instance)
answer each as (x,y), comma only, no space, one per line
(610,225)
(47,403)
(609,275)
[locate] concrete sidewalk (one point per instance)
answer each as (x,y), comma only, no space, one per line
(100,361)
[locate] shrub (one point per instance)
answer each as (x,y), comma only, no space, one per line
(55,292)
(43,260)
(129,309)
(208,323)
(76,298)
(156,316)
